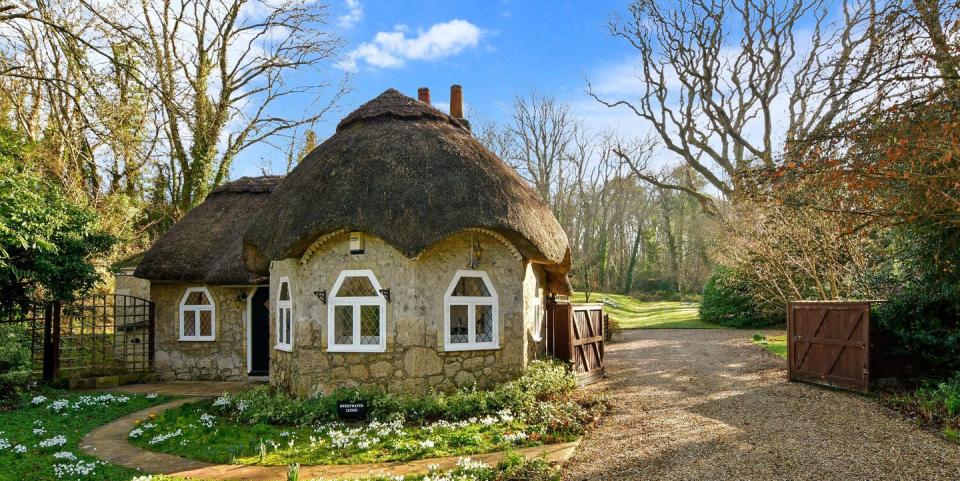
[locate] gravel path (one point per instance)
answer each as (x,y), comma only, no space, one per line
(707,404)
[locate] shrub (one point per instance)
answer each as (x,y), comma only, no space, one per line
(919,325)
(937,403)
(727,301)
(545,392)
(15,375)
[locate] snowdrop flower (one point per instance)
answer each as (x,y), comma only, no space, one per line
(488,421)
(427,444)
(75,470)
(163,437)
(136,433)
(208,420)
(4,444)
(152,395)
(59,405)
(221,402)
(39,431)
(65,455)
(58,440)
(19,449)
(38,400)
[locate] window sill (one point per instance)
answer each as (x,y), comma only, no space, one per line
(371,349)
(283,348)
(471,347)
(197,339)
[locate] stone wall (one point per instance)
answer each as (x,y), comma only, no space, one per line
(223,359)
(415,360)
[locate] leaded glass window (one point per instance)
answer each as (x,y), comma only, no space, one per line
(470,317)
(197,315)
(284,316)
(357,313)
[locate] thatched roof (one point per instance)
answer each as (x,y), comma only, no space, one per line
(206,244)
(411,175)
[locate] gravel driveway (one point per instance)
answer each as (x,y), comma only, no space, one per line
(707,404)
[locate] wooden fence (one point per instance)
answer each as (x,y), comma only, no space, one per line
(92,336)
(575,334)
(828,343)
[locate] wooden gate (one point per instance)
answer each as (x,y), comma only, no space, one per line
(92,336)
(828,343)
(575,334)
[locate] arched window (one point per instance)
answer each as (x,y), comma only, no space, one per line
(197,315)
(284,316)
(356,314)
(471,317)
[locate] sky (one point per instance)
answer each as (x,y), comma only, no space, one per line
(495,49)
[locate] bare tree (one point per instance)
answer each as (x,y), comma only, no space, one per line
(713,93)
(218,69)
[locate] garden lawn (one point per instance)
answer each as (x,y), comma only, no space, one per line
(39,440)
(774,344)
(629,313)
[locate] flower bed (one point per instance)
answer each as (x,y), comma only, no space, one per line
(266,427)
(38,438)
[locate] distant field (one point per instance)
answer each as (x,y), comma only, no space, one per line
(630,313)
(774,344)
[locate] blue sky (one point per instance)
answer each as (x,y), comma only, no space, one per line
(495,49)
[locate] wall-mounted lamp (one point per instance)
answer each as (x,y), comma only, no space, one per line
(386,294)
(322,295)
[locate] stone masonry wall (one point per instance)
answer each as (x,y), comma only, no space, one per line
(223,359)
(415,360)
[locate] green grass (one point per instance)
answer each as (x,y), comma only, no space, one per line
(37,463)
(774,344)
(629,313)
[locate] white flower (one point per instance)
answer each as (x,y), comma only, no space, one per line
(242,406)
(19,449)
(38,400)
(488,421)
(4,444)
(427,444)
(208,420)
(65,455)
(59,405)
(514,437)
(221,401)
(79,469)
(152,395)
(136,433)
(163,437)
(149,426)
(39,431)
(58,440)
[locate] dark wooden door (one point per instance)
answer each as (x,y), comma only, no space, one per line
(260,332)
(829,343)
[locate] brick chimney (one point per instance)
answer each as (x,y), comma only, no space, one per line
(423,95)
(456,101)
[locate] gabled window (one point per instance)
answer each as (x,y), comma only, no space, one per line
(284,316)
(197,315)
(471,313)
(356,314)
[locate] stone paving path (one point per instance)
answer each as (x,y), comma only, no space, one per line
(109,442)
(704,404)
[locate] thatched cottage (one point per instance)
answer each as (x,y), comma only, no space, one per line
(399,253)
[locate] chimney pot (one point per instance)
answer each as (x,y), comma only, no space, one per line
(456,101)
(423,95)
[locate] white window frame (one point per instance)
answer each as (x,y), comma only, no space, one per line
(471,302)
(281,307)
(196,309)
(356,302)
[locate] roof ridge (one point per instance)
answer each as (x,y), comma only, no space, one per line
(391,103)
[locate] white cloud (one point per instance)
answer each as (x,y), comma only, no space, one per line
(393,49)
(353,16)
